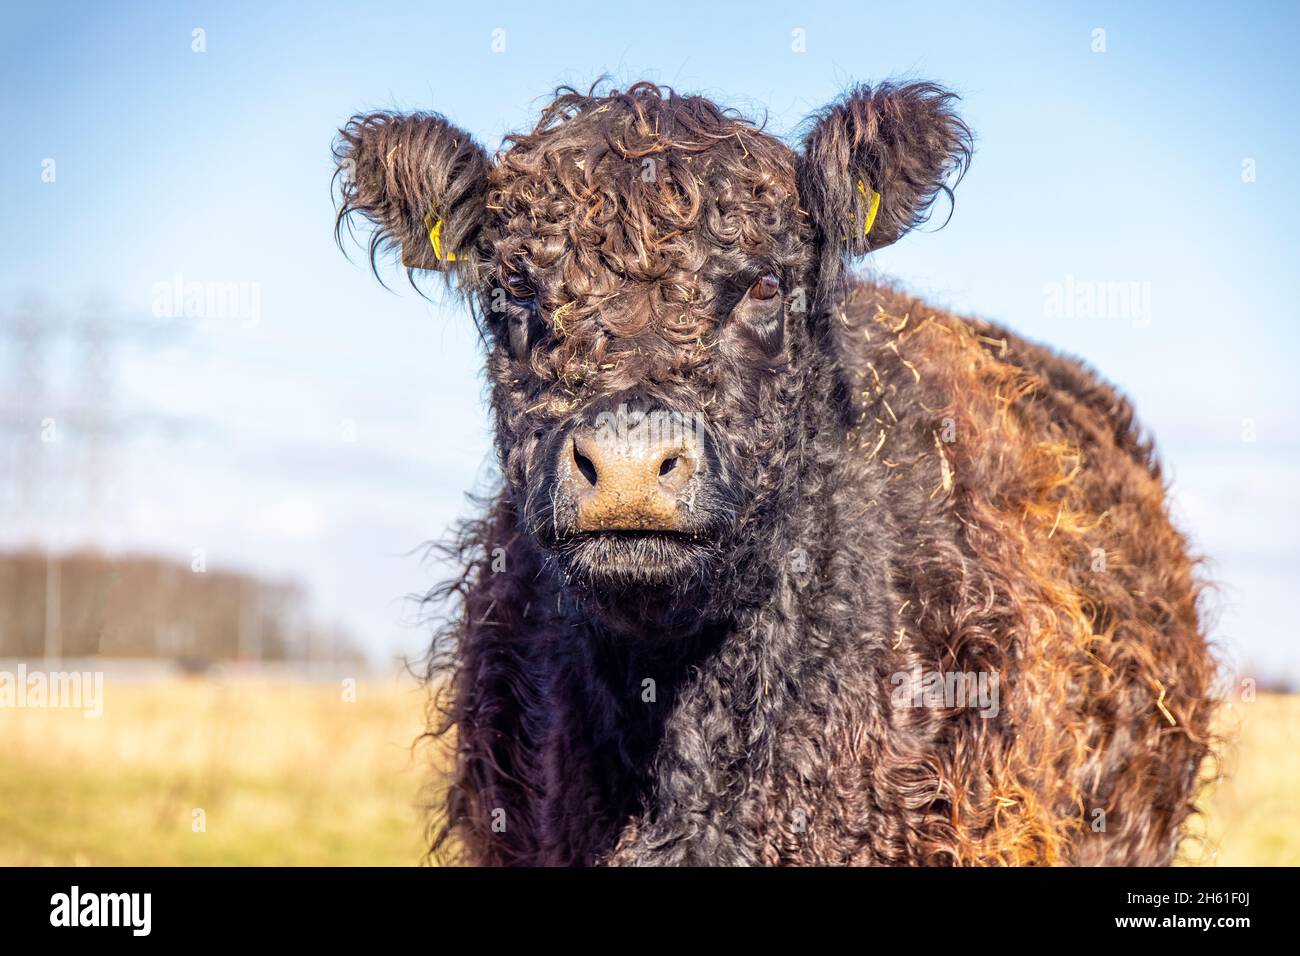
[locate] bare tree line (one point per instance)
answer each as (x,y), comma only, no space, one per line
(89,604)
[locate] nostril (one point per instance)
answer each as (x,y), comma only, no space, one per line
(668,465)
(585,465)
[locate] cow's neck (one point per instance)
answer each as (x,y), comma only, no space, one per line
(693,718)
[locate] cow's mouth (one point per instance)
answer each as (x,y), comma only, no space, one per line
(632,559)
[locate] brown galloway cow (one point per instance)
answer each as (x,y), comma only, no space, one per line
(785,566)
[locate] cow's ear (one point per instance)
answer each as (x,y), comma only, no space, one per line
(421,181)
(873,163)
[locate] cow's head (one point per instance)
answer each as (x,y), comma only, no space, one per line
(651,273)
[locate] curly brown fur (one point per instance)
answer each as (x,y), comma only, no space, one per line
(897,491)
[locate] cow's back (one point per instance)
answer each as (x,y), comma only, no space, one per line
(1032,542)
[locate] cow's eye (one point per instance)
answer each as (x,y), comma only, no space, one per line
(518,287)
(760,313)
(521,313)
(765,288)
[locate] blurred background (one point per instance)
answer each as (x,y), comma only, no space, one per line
(223,445)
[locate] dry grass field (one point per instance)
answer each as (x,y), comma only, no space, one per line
(283,772)
(1252,816)
(290,773)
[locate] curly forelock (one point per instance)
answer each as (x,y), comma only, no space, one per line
(625,210)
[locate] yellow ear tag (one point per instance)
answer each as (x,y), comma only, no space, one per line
(435,238)
(871,199)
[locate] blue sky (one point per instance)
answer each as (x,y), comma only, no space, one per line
(1092,170)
